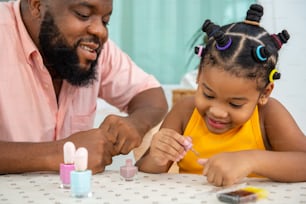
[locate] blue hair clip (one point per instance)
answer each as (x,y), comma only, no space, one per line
(259,54)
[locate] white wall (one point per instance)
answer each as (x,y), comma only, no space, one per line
(291,88)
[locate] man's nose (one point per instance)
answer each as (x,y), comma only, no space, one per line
(98,29)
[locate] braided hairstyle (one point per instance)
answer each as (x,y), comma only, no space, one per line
(244,49)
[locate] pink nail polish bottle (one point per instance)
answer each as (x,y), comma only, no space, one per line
(128,172)
(68,165)
(81,177)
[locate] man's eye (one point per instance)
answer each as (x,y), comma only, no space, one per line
(106,23)
(105,20)
(82,16)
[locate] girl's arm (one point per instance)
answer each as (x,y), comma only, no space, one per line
(287,160)
(167,145)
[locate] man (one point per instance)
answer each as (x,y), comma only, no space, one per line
(56,60)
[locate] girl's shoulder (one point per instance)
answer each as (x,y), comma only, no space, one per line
(184,108)
(279,127)
(185,104)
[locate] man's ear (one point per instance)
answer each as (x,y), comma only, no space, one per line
(35,8)
(264,96)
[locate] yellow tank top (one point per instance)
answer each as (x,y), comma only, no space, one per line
(246,137)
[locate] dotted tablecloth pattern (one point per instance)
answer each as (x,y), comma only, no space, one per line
(109,188)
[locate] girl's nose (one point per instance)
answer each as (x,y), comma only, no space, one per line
(218,112)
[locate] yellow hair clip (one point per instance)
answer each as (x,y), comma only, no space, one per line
(271,79)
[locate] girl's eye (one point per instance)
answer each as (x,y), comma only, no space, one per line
(208,96)
(236,105)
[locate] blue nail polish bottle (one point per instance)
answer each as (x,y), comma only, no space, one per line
(81,177)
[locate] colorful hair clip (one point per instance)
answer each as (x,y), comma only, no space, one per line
(280,38)
(198,50)
(226,46)
(274,74)
(277,41)
(260,53)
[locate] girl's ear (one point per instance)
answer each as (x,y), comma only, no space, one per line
(264,96)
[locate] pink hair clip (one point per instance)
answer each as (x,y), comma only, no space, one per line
(199,50)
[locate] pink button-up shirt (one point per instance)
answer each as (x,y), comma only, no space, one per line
(29,110)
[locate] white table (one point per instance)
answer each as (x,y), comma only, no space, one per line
(108,188)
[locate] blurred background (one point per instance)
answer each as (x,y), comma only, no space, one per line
(160,35)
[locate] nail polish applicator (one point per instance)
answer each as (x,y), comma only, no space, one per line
(68,165)
(189,147)
(81,177)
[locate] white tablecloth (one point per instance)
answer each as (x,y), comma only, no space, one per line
(109,188)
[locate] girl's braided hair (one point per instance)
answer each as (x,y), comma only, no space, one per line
(244,49)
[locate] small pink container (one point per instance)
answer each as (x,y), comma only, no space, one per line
(129,171)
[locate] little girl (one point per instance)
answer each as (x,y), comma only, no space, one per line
(232,125)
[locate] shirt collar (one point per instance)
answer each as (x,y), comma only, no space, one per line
(27,43)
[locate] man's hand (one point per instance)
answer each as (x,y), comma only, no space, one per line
(123,132)
(100,147)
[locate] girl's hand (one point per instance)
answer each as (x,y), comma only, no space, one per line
(167,145)
(226,169)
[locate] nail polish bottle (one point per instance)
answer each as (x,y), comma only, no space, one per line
(129,171)
(81,177)
(68,165)
(189,146)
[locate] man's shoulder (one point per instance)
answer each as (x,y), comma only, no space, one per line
(6,13)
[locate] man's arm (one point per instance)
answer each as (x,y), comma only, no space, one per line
(145,111)
(19,157)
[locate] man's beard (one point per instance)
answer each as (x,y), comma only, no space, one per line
(62,58)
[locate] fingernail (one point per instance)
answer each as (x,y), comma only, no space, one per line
(186,142)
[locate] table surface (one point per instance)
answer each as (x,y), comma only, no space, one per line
(108,187)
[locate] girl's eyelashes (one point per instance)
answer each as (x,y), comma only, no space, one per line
(208,96)
(236,105)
